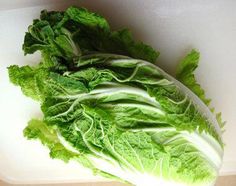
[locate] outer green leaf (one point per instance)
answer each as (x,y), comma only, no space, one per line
(185,73)
(37,129)
(29,79)
(86,18)
(119,116)
(66,34)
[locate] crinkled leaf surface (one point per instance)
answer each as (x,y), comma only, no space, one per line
(111,111)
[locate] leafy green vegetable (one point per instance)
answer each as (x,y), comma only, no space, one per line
(185,74)
(29,79)
(90,33)
(113,112)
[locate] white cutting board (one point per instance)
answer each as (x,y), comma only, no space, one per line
(172,27)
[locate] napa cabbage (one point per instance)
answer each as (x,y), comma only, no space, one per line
(107,105)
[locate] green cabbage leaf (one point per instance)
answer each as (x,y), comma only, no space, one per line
(107,105)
